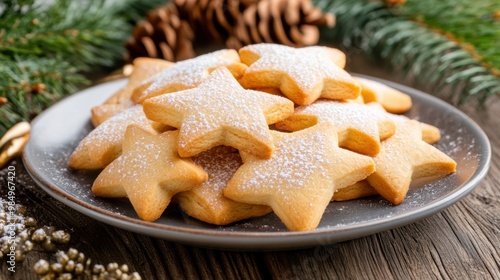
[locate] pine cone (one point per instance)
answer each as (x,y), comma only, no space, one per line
(242,22)
(289,22)
(216,19)
(168,32)
(163,34)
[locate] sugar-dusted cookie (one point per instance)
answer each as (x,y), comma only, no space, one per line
(207,202)
(220,112)
(302,74)
(403,157)
(393,101)
(360,127)
(143,68)
(101,113)
(149,172)
(188,74)
(300,178)
(354,191)
(104,144)
(430,135)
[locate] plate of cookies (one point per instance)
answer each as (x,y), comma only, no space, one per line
(263,148)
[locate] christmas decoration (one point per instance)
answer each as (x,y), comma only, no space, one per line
(162,35)
(292,23)
(17,225)
(73,264)
(168,32)
(13,142)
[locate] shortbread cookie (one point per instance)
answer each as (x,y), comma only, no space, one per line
(188,74)
(360,127)
(430,133)
(302,74)
(357,190)
(207,202)
(300,178)
(220,112)
(403,157)
(103,144)
(148,173)
(143,68)
(103,112)
(393,101)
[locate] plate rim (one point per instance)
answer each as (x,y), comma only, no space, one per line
(270,240)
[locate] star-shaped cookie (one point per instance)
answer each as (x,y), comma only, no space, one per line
(149,172)
(104,144)
(302,74)
(354,191)
(220,112)
(143,68)
(393,101)
(207,201)
(403,157)
(189,74)
(360,127)
(300,178)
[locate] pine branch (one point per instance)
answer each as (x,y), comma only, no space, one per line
(473,24)
(29,85)
(45,49)
(429,57)
(63,29)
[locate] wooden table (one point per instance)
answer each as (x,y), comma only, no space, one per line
(461,242)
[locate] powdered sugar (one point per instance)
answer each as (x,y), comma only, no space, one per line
(191,72)
(346,115)
(103,144)
(112,130)
(218,104)
(306,66)
(220,163)
(295,160)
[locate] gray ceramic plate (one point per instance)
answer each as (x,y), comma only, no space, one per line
(58,130)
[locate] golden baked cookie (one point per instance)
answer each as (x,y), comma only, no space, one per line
(393,101)
(188,74)
(100,113)
(220,112)
(360,127)
(104,144)
(430,133)
(302,74)
(300,178)
(357,190)
(403,157)
(207,201)
(149,172)
(143,68)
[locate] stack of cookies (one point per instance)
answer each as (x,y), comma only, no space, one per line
(232,135)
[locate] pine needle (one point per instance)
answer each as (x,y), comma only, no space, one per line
(45,49)
(445,52)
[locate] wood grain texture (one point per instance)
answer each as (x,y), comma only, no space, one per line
(461,242)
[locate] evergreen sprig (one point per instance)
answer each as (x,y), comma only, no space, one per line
(32,84)
(431,57)
(46,48)
(474,24)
